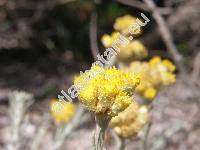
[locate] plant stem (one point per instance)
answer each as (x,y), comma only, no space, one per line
(122,144)
(102,124)
(64,131)
(145,142)
(100,138)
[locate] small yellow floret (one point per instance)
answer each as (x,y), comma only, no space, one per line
(150,93)
(108,40)
(171,67)
(62,112)
(155,60)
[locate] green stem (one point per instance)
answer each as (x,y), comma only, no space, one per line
(100,140)
(102,124)
(145,142)
(122,144)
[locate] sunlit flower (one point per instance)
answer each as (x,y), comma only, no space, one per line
(107,40)
(155,61)
(129,122)
(135,50)
(109,92)
(170,66)
(132,50)
(62,112)
(122,24)
(154,74)
(150,93)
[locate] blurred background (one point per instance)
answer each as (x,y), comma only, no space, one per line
(44,43)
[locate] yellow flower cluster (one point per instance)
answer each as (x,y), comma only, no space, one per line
(129,122)
(107,40)
(134,50)
(122,24)
(62,112)
(154,74)
(131,49)
(109,91)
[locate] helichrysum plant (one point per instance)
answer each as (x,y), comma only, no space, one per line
(154,74)
(65,115)
(129,122)
(134,49)
(107,93)
(19,102)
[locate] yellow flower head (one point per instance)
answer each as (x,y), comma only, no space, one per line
(170,66)
(155,61)
(135,50)
(108,40)
(129,122)
(62,112)
(150,93)
(154,74)
(122,24)
(108,92)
